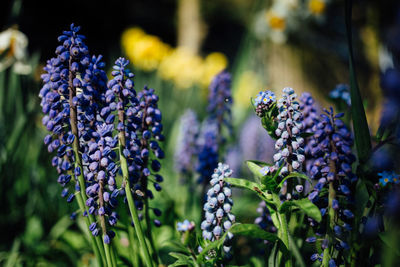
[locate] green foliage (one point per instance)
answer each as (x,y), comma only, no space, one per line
(304,205)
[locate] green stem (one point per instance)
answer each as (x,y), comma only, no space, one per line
(133,244)
(100,257)
(108,256)
(132,208)
(149,235)
(285,236)
(113,256)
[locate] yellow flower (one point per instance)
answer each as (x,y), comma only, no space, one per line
(182,67)
(275,21)
(143,50)
(248,85)
(316,7)
(213,64)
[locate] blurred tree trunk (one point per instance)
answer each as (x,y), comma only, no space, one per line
(191,30)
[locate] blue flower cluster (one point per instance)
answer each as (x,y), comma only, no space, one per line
(187,148)
(207,151)
(331,149)
(80,109)
(139,121)
(72,82)
(310,120)
(220,99)
(218,216)
(388,177)
(341,92)
(310,116)
(289,146)
(263,102)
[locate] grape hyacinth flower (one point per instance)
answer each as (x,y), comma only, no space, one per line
(309,111)
(220,101)
(71,99)
(332,171)
(289,145)
(187,149)
(218,216)
(263,102)
(207,151)
(140,129)
(341,92)
(310,120)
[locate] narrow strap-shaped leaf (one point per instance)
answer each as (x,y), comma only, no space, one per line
(294,175)
(387,239)
(360,125)
(305,205)
(273,256)
(243,183)
(255,167)
(252,230)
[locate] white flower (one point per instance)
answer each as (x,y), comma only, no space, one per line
(14,44)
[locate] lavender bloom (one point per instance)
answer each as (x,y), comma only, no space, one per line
(220,100)
(218,216)
(263,102)
(332,171)
(208,151)
(341,92)
(187,149)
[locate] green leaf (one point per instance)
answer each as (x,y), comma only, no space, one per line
(295,251)
(360,125)
(267,180)
(243,183)
(255,168)
(212,245)
(13,257)
(273,256)
(60,227)
(305,205)
(259,163)
(252,230)
(294,175)
(270,126)
(176,246)
(178,256)
(387,238)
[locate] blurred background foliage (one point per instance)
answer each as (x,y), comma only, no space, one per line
(175,46)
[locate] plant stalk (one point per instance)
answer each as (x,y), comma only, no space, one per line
(81,196)
(131,204)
